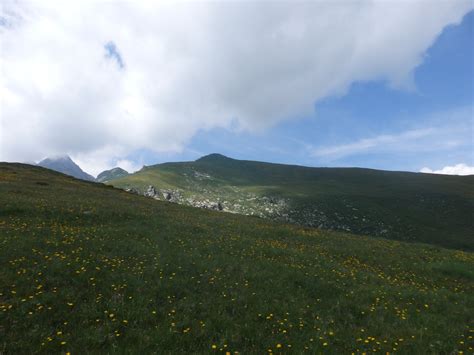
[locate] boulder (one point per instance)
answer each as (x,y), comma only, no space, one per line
(150,191)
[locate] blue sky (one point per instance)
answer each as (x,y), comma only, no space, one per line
(440,103)
(377,84)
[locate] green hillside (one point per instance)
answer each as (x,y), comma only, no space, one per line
(88,268)
(428,208)
(111,174)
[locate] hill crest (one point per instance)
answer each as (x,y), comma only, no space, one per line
(214,157)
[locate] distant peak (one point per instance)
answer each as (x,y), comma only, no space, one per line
(214,157)
(63,157)
(118,168)
(110,174)
(64,164)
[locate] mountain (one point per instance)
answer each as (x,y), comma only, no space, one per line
(66,165)
(111,174)
(87,266)
(417,207)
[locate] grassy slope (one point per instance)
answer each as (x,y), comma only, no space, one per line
(427,208)
(86,266)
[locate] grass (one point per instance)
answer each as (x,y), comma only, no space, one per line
(435,209)
(89,268)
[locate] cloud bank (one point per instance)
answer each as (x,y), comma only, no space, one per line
(98,80)
(459,169)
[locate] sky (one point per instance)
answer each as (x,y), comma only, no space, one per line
(377,84)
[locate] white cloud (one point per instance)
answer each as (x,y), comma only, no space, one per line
(95,166)
(189,66)
(458,169)
(129,165)
(440,132)
(385,141)
(104,159)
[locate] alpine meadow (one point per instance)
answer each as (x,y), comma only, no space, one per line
(92,267)
(237,177)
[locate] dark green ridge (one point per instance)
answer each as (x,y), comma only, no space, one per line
(406,206)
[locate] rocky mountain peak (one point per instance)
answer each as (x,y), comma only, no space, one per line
(64,164)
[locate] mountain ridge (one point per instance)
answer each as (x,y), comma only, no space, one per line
(392,204)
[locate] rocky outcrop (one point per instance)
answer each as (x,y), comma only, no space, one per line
(150,191)
(271,207)
(172,195)
(163,194)
(132,190)
(210,205)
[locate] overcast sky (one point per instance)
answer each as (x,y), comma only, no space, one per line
(380,84)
